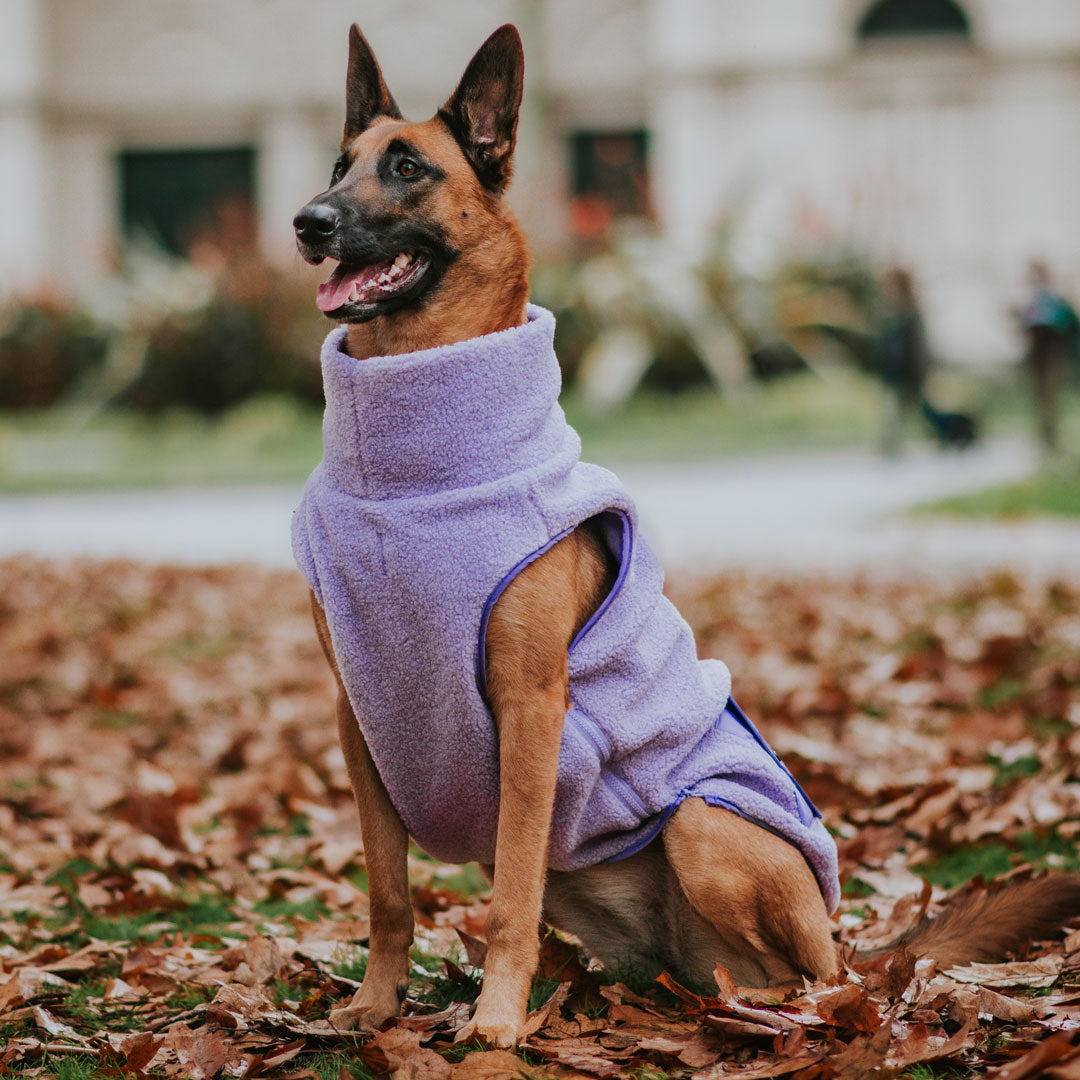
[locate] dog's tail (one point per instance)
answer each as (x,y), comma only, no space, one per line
(988,925)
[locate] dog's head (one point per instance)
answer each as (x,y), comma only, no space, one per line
(411,205)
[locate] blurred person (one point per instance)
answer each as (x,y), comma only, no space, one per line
(903,356)
(1050,325)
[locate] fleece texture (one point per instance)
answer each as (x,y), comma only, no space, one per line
(445,472)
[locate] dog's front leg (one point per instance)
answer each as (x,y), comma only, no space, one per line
(386,846)
(528,635)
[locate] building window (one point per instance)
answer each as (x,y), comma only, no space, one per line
(608,179)
(189,200)
(896,18)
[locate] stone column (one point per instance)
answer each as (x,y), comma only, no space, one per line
(295,157)
(24,225)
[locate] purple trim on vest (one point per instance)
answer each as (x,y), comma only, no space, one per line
(732,718)
(734,712)
(626,548)
(442,469)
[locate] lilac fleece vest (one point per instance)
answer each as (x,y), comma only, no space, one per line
(445,472)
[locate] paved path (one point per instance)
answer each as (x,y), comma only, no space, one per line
(833,513)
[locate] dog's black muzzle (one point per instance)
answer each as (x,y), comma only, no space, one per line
(318,227)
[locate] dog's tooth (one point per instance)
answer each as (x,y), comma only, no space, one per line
(401,261)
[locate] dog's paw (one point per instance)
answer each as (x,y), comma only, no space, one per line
(496,1027)
(359,1018)
(367,1011)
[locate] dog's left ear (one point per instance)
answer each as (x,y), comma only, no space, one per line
(482,113)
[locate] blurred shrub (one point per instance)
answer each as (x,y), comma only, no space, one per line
(47,347)
(624,286)
(223,326)
(255,332)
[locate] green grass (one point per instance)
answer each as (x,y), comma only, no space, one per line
(274,439)
(989,860)
(1050,493)
(328,1065)
(1005,772)
(190,913)
(264,440)
(799,413)
(278,908)
(942,1070)
(72,1067)
(351,964)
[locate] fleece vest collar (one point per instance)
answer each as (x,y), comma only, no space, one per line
(421,423)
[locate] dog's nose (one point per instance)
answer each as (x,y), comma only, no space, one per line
(316,221)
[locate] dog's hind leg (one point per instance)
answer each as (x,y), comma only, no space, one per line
(386,845)
(757,893)
(631,915)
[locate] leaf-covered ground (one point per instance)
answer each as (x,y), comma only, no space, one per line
(182,884)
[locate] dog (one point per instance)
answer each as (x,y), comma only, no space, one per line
(433,267)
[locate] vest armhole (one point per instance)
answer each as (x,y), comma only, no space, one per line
(624,553)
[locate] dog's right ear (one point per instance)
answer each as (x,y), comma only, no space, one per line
(366,95)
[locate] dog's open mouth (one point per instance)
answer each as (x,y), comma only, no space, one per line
(367,285)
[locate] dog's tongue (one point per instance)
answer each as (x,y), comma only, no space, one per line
(335,292)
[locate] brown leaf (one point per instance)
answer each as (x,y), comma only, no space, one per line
(728,991)
(547,1012)
(848,1006)
(475,949)
(274,1059)
(922,1045)
(397,1050)
(730,1025)
(203,1053)
(587,1062)
(26,985)
(488,1065)
(1041,972)
(137,1050)
(862,1056)
(695,1049)
(56,1028)
(262,962)
(1035,1061)
(765,1066)
(994,1006)
(116,990)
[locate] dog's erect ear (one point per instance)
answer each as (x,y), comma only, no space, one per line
(366,95)
(482,112)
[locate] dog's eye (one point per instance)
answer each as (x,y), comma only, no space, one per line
(407,168)
(341,166)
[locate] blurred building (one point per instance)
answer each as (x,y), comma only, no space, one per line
(934,133)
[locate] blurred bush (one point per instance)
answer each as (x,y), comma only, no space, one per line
(638,313)
(254,332)
(47,347)
(223,326)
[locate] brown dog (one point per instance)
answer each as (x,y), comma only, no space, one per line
(419,207)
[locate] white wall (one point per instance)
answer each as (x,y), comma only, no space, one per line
(961,162)
(25,234)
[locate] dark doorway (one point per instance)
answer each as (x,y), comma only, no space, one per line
(176,196)
(890,18)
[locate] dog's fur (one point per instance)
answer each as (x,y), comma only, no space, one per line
(712,888)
